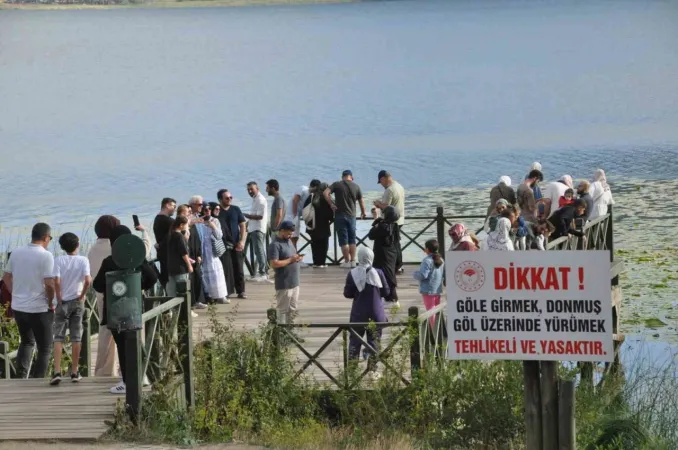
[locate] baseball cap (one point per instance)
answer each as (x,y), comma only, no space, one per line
(346,173)
(382,174)
(287,225)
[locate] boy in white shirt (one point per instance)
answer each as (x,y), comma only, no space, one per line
(72,281)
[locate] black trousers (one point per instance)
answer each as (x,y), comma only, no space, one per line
(234,271)
(34,328)
(196,284)
(399,258)
(119,338)
(319,247)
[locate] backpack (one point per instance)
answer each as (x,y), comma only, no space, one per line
(308,213)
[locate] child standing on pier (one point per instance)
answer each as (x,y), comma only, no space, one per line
(430,277)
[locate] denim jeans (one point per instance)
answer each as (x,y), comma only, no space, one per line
(344,226)
(258,242)
(34,328)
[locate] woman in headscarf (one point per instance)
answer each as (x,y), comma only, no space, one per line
(491,221)
(213,278)
(461,239)
(366,285)
(226,263)
(319,230)
(386,235)
(601,194)
(105,363)
(503,190)
(500,238)
(148,279)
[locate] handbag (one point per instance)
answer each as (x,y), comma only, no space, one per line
(218,247)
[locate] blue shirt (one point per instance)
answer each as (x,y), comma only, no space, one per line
(230,221)
(430,277)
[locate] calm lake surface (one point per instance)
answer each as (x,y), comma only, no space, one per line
(109,111)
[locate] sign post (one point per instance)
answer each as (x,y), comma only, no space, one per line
(531,306)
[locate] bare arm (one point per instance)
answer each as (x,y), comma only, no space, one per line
(278,217)
(253,217)
(279,263)
(328,197)
(188,262)
(295,204)
(49,291)
(7,279)
(362,208)
(243,237)
(57,289)
(85,287)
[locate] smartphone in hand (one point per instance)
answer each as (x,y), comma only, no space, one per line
(135,218)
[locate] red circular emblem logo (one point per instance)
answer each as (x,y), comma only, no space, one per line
(469,276)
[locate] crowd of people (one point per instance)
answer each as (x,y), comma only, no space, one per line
(203,243)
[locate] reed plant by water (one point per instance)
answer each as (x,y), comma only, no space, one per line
(244,392)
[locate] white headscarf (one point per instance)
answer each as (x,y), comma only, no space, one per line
(567,180)
(536,166)
(506,180)
(364,274)
(599,175)
(499,239)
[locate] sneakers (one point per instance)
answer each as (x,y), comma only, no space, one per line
(354,264)
(223,301)
(75,377)
(346,265)
(320,267)
(242,295)
(200,305)
(194,314)
(119,389)
(56,379)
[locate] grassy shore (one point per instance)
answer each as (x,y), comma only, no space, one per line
(165,4)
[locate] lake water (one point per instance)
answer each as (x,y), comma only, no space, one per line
(109,111)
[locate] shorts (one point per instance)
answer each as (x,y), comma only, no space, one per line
(68,315)
(344,226)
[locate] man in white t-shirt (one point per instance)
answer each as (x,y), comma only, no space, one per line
(29,276)
(72,280)
(256,227)
(296,210)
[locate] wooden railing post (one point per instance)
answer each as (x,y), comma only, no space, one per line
(185,331)
(609,236)
(533,424)
(566,426)
(133,375)
(415,349)
(85,359)
(440,226)
(549,403)
(344,347)
(4,352)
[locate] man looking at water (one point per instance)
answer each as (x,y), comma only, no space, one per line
(285,262)
(161,229)
(256,227)
(583,192)
(346,194)
(525,194)
(29,277)
(295,211)
(277,205)
(394,195)
(234,227)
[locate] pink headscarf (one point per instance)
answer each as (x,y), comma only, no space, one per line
(567,180)
(459,233)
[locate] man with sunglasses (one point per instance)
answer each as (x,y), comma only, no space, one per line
(29,276)
(234,227)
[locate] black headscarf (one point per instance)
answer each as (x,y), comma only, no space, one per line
(213,206)
(390,214)
(118,231)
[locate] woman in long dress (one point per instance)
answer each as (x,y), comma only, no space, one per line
(601,195)
(213,279)
(386,235)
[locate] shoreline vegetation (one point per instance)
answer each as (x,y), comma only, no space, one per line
(159,4)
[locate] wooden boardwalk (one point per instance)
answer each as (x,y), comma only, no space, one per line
(31,409)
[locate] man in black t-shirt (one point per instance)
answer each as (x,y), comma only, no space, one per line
(161,229)
(346,194)
(234,227)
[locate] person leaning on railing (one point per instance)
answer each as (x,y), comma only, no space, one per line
(148,279)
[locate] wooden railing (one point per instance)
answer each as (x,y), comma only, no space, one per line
(414,233)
